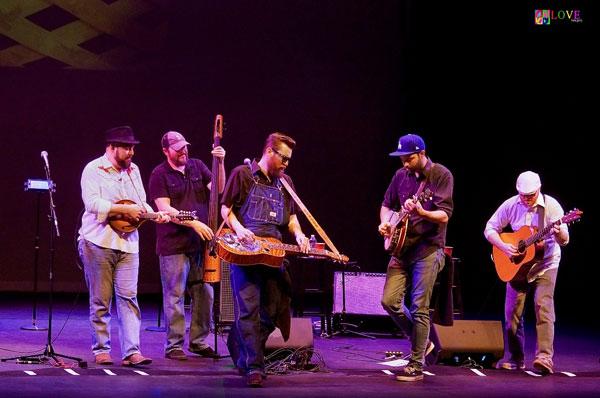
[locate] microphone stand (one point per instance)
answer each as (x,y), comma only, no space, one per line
(36,255)
(49,350)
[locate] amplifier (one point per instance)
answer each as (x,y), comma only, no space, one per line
(363,293)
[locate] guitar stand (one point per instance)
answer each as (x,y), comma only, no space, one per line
(344,330)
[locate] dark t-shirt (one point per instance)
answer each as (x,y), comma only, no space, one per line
(187,192)
(238,187)
(422,237)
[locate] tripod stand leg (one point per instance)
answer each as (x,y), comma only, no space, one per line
(157,328)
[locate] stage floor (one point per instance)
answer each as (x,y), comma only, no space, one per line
(349,366)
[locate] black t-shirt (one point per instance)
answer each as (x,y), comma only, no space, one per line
(186,192)
(423,237)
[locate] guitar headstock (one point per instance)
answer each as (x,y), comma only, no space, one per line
(426,195)
(186,215)
(218,132)
(571,216)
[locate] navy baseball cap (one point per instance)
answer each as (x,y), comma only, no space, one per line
(409,144)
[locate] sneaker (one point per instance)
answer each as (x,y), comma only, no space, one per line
(205,352)
(410,374)
(511,364)
(136,359)
(176,354)
(254,380)
(544,365)
(103,359)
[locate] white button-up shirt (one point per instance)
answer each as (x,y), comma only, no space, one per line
(101,186)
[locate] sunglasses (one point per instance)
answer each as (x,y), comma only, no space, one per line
(284,159)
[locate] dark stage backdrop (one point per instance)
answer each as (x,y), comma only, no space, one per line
(345,79)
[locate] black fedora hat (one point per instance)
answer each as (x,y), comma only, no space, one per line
(121,135)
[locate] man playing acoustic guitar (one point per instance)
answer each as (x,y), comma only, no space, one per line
(419,256)
(111,257)
(532,209)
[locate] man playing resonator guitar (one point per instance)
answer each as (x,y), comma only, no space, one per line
(255,204)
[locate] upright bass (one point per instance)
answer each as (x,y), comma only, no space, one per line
(212,268)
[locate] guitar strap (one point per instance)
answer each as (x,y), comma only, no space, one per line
(424,180)
(312,220)
(541,211)
(134,187)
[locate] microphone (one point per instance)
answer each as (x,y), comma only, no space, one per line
(248,163)
(44,155)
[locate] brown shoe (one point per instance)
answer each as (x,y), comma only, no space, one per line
(103,359)
(136,359)
(176,354)
(205,352)
(544,365)
(254,380)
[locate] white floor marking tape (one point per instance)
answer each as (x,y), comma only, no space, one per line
(477,372)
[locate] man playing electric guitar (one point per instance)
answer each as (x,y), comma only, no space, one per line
(530,208)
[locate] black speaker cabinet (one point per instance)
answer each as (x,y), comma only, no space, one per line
(482,341)
(226,313)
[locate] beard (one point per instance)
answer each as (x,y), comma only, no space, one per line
(124,163)
(278,172)
(179,159)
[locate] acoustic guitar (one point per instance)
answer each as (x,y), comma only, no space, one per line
(527,239)
(269,251)
(399,220)
(125,223)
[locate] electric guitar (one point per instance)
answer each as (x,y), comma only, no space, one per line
(269,251)
(126,223)
(399,220)
(529,242)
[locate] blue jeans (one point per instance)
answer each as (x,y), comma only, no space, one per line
(178,273)
(256,294)
(108,270)
(514,309)
(420,277)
